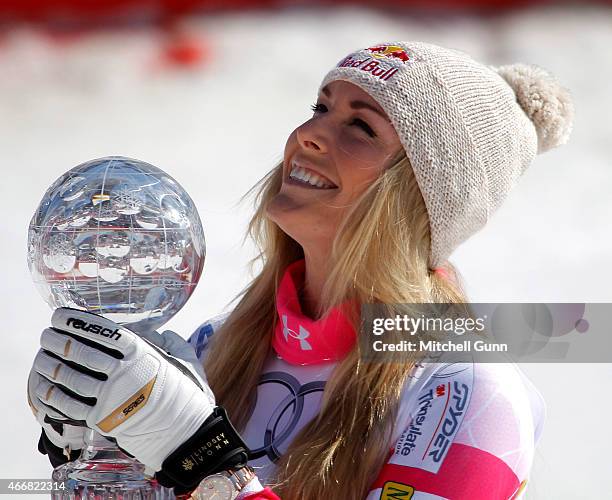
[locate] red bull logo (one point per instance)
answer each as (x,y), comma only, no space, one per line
(394,51)
(378,65)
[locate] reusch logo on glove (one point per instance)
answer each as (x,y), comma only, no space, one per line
(79,324)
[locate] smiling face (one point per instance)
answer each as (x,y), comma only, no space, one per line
(329,161)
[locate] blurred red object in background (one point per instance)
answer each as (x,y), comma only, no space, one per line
(185,50)
(112,11)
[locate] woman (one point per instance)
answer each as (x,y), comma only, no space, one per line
(410,149)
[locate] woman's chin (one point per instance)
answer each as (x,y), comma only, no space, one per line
(297,221)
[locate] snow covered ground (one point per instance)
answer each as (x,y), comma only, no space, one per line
(217,129)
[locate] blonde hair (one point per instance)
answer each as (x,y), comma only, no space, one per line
(379,255)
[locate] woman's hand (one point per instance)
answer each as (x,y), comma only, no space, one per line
(97,372)
(60,440)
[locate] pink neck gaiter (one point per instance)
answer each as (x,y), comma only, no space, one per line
(300,340)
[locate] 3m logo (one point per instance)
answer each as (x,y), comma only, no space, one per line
(396,491)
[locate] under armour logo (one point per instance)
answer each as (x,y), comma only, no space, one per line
(302,336)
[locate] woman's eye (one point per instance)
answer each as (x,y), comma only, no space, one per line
(318,108)
(321,108)
(364,126)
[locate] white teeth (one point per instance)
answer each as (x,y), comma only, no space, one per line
(309,177)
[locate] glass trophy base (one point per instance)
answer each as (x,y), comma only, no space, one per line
(104,472)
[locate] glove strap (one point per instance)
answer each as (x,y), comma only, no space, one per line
(216,446)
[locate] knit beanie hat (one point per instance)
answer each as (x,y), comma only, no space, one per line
(469,130)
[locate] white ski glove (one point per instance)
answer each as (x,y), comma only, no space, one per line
(66,436)
(155,406)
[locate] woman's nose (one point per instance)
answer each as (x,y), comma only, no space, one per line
(311,137)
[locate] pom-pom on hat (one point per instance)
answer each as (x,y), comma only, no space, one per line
(469,130)
(544,101)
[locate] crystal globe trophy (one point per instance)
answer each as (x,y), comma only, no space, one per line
(120,238)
